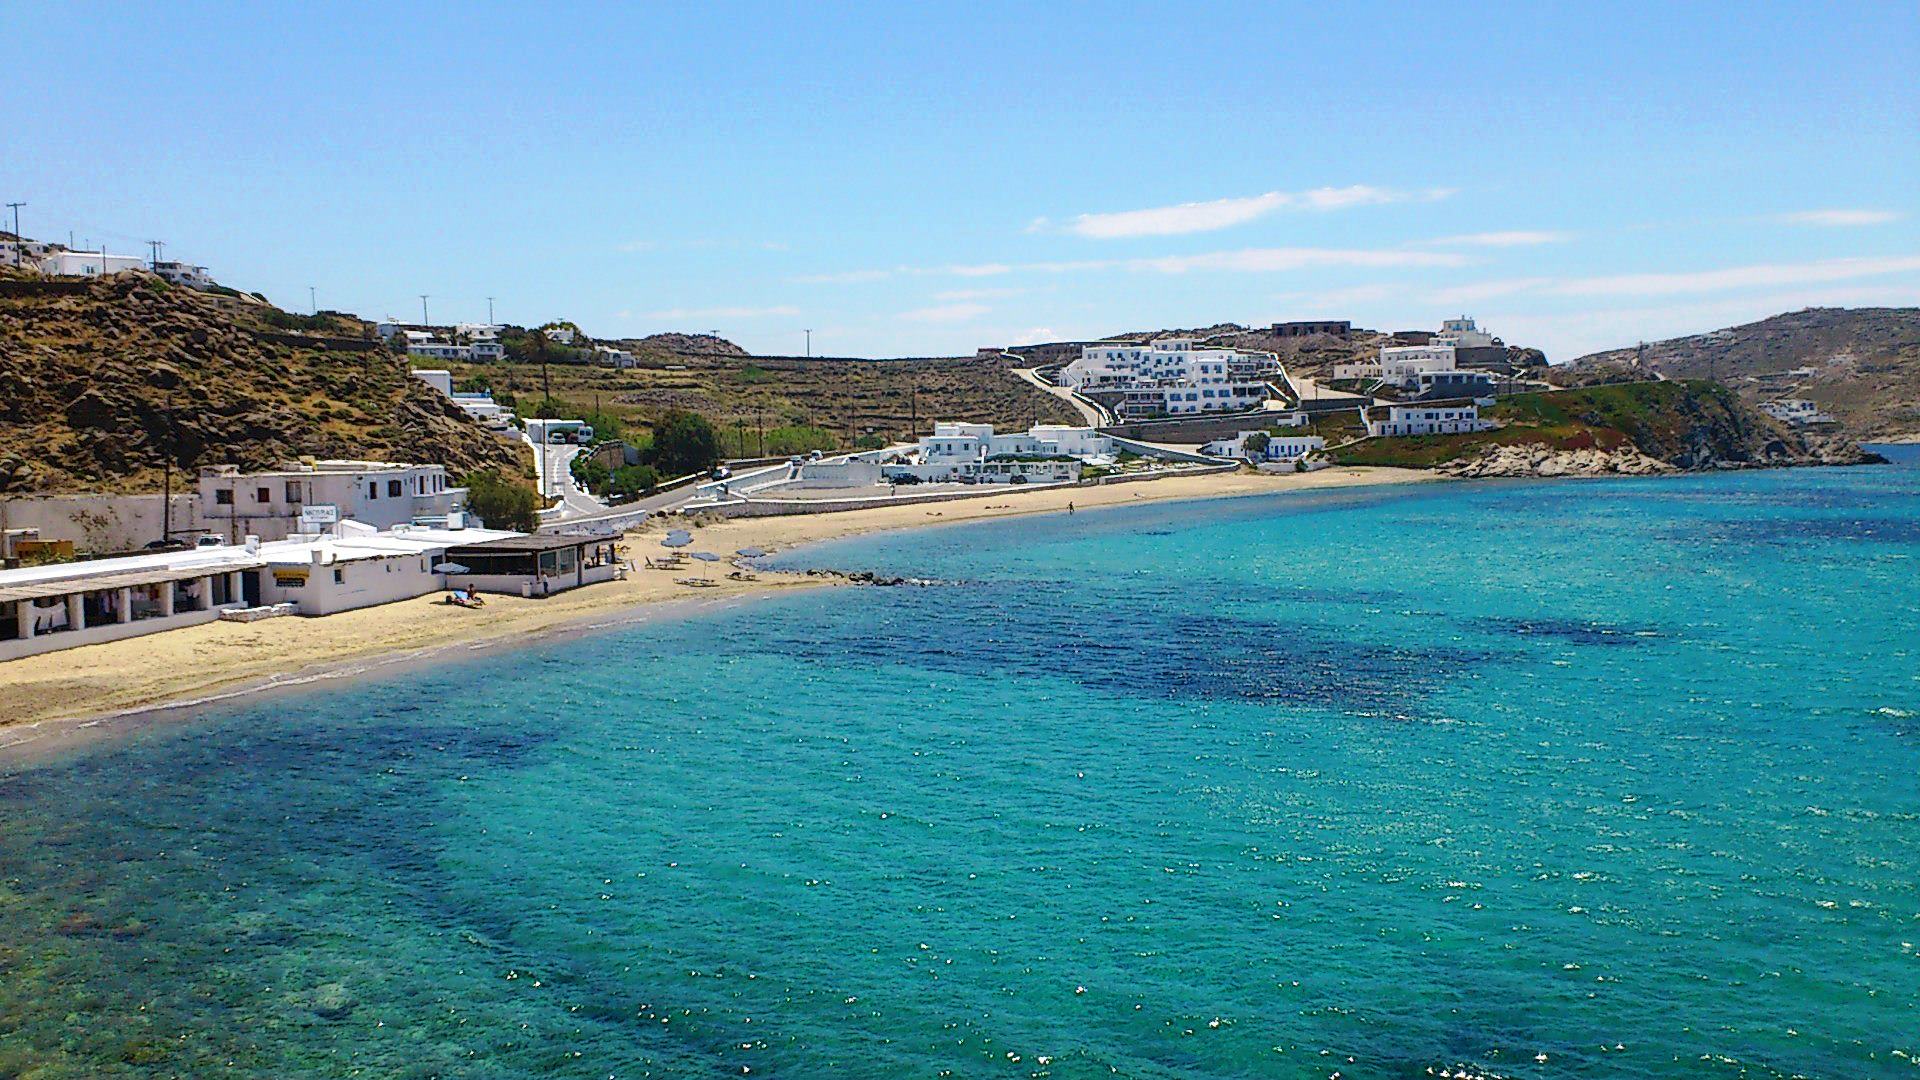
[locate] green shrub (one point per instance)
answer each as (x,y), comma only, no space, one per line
(501,503)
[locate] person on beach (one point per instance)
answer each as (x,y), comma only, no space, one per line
(1069,507)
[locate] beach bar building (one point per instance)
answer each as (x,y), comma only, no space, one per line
(45,608)
(538,565)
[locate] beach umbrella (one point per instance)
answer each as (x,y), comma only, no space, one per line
(706,556)
(751,552)
(450,568)
(677,538)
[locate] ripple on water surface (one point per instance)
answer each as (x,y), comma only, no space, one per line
(1266,787)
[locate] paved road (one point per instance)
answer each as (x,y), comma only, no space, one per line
(556,481)
(1091,414)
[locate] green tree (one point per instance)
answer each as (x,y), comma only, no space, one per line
(870,442)
(501,503)
(631,480)
(1256,444)
(683,443)
(591,473)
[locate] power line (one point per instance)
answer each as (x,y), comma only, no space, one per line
(155,246)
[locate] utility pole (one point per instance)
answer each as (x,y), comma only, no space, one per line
(18,242)
(154,246)
(913,412)
(809,334)
(424,321)
(489,311)
(166,499)
(760,422)
(313,301)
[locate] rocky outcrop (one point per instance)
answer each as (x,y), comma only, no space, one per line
(101,387)
(1537,460)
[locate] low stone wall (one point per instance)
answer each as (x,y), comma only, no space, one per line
(783,507)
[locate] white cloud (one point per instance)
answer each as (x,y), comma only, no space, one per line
(1263,260)
(1508,238)
(1475,292)
(1738,277)
(1245,260)
(724,313)
(946,313)
(1841,218)
(638,245)
(951,295)
(844,277)
(1216,214)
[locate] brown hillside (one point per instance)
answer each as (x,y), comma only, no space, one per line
(1865,361)
(89,372)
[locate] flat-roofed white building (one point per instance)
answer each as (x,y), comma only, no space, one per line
(1278,447)
(180,273)
(1796,411)
(1403,364)
(976,452)
(608,356)
(59,606)
(1427,418)
(88,263)
(351,566)
(1461,333)
(1171,376)
(274,504)
(439,350)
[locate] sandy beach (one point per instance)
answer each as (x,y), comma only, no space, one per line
(59,700)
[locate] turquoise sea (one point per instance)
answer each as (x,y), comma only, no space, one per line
(1578,779)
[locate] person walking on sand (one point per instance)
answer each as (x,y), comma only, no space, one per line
(1069,507)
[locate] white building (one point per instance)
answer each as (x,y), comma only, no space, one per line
(193,277)
(561,334)
(480,406)
(59,606)
(1796,411)
(474,332)
(352,566)
(1279,447)
(1171,376)
(1427,418)
(1403,365)
(608,356)
(1358,369)
(1461,333)
(88,264)
(347,566)
(297,498)
(440,350)
(959,452)
(481,352)
(26,252)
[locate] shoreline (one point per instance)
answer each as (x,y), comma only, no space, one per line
(73,699)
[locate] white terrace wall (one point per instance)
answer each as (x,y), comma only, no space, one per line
(97,523)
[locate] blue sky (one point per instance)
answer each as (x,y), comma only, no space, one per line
(926,181)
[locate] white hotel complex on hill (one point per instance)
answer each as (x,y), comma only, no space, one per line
(1171,376)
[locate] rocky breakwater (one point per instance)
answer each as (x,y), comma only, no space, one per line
(1538,460)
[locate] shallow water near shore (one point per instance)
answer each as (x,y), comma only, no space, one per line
(1581,779)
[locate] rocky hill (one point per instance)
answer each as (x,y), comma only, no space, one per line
(102,381)
(1645,427)
(1860,364)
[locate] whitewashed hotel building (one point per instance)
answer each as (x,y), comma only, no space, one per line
(1171,376)
(1427,418)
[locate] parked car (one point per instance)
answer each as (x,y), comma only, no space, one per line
(905,478)
(211,540)
(796,460)
(815,456)
(720,472)
(1017,478)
